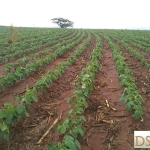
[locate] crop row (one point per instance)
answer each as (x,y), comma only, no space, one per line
(133,52)
(130,95)
(143,48)
(136,54)
(71,126)
(141,43)
(11,113)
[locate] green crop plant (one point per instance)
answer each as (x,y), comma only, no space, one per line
(9,114)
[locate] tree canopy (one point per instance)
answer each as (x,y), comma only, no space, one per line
(63,23)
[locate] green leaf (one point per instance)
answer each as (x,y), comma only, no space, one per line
(74,132)
(80,118)
(26,114)
(83,118)
(52,147)
(23,100)
(3,127)
(70,112)
(137,114)
(17,98)
(68,137)
(59,145)
(83,86)
(5,136)
(59,127)
(8,105)
(70,144)
(2,114)
(79,127)
(66,121)
(19,110)
(79,92)
(86,76)
(63,149)
(77,143)
(129,106)
(34,97)
(79,110)
(9,115)
(123,98)
(63,129)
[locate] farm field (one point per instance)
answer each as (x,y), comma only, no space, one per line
(61,89)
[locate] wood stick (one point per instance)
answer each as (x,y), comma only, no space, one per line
(47,132)
(54,103)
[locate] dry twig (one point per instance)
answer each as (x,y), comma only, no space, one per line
(47,132)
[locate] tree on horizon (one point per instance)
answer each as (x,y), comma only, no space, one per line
(63,23)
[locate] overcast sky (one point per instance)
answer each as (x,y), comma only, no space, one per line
(114,14)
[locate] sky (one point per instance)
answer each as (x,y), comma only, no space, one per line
(100,14)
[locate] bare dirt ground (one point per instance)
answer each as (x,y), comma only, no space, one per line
(109,125)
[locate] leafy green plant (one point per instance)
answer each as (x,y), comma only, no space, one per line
(9,114)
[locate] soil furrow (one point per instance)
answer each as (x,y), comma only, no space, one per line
(19,88)
(50,105)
